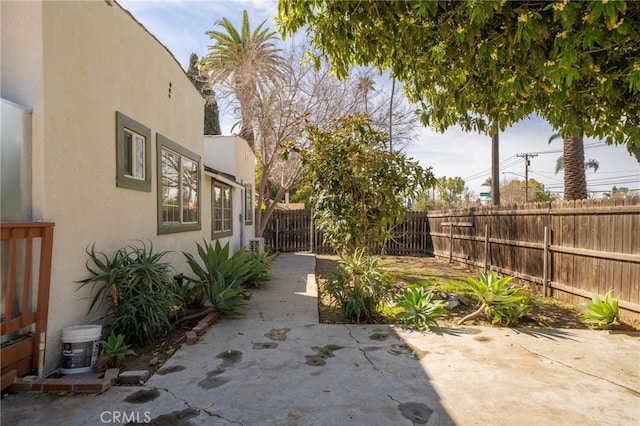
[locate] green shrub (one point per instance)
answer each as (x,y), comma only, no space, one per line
(260,267)
(138,287)
(358,287)
(220,275)
(418,308)
(498,301)
(603,313)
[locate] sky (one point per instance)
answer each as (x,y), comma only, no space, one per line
(181,25)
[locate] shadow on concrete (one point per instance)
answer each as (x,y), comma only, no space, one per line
(544,333)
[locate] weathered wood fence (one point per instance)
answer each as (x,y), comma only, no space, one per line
(567,250)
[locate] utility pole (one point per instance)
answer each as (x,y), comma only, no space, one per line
(495,165)
(527,162)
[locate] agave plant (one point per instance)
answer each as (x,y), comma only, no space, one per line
(498,301)
(220,275)
(603,313)
(418,308)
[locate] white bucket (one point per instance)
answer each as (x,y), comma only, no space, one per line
(79,348)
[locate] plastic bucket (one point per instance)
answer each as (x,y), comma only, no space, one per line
(79,348)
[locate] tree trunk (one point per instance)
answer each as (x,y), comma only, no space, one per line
(575,182)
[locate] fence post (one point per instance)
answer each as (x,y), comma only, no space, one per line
(545,255)
(486,248)
(277,235)
(451,242)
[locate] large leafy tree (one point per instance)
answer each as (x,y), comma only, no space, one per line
(359,185)
(476,62)
(248,60)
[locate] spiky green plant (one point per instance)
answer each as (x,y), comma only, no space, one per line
(138,288)
(601,312)
(220,275)
(418,308)
(358,287)
(115,347)
(498,301)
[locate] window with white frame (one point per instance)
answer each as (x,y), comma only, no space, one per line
(134,155)
(222,210)
(179,188)
(133,150)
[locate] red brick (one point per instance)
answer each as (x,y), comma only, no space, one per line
(201,328)
(192,337)
(20,386)
(36,385)
(212,317)
(58,385)
(91,385)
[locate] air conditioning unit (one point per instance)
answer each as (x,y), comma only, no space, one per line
(256,245)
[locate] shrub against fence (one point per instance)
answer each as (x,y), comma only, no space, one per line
(588,247)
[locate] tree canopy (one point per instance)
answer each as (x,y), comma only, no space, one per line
(358,183)
(575,63)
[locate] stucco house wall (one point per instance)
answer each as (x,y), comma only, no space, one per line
(230,160)
(76,64)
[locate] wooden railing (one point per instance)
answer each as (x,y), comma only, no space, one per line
(26,278)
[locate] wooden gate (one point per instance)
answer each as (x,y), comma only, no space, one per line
(26,274)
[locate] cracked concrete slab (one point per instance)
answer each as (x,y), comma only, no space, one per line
(256,370)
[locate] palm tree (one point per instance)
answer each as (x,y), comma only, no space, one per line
(249,59)
(365,85)
(589,164)
(575,182)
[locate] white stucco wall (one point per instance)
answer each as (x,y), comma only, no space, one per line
(91,59)
(232,155)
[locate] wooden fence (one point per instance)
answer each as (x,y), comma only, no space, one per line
(567,250)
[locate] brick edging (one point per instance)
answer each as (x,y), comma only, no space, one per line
(67,384)
(202,327)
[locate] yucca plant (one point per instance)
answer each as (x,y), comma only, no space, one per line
(498,301)
(601,312)
(138,288)
(418,308)
(220,275)
(358,287)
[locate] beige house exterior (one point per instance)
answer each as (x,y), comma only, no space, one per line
(110,106)
(231,166)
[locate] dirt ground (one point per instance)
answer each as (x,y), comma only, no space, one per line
(440,274)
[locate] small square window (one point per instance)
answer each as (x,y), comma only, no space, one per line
(133,162)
